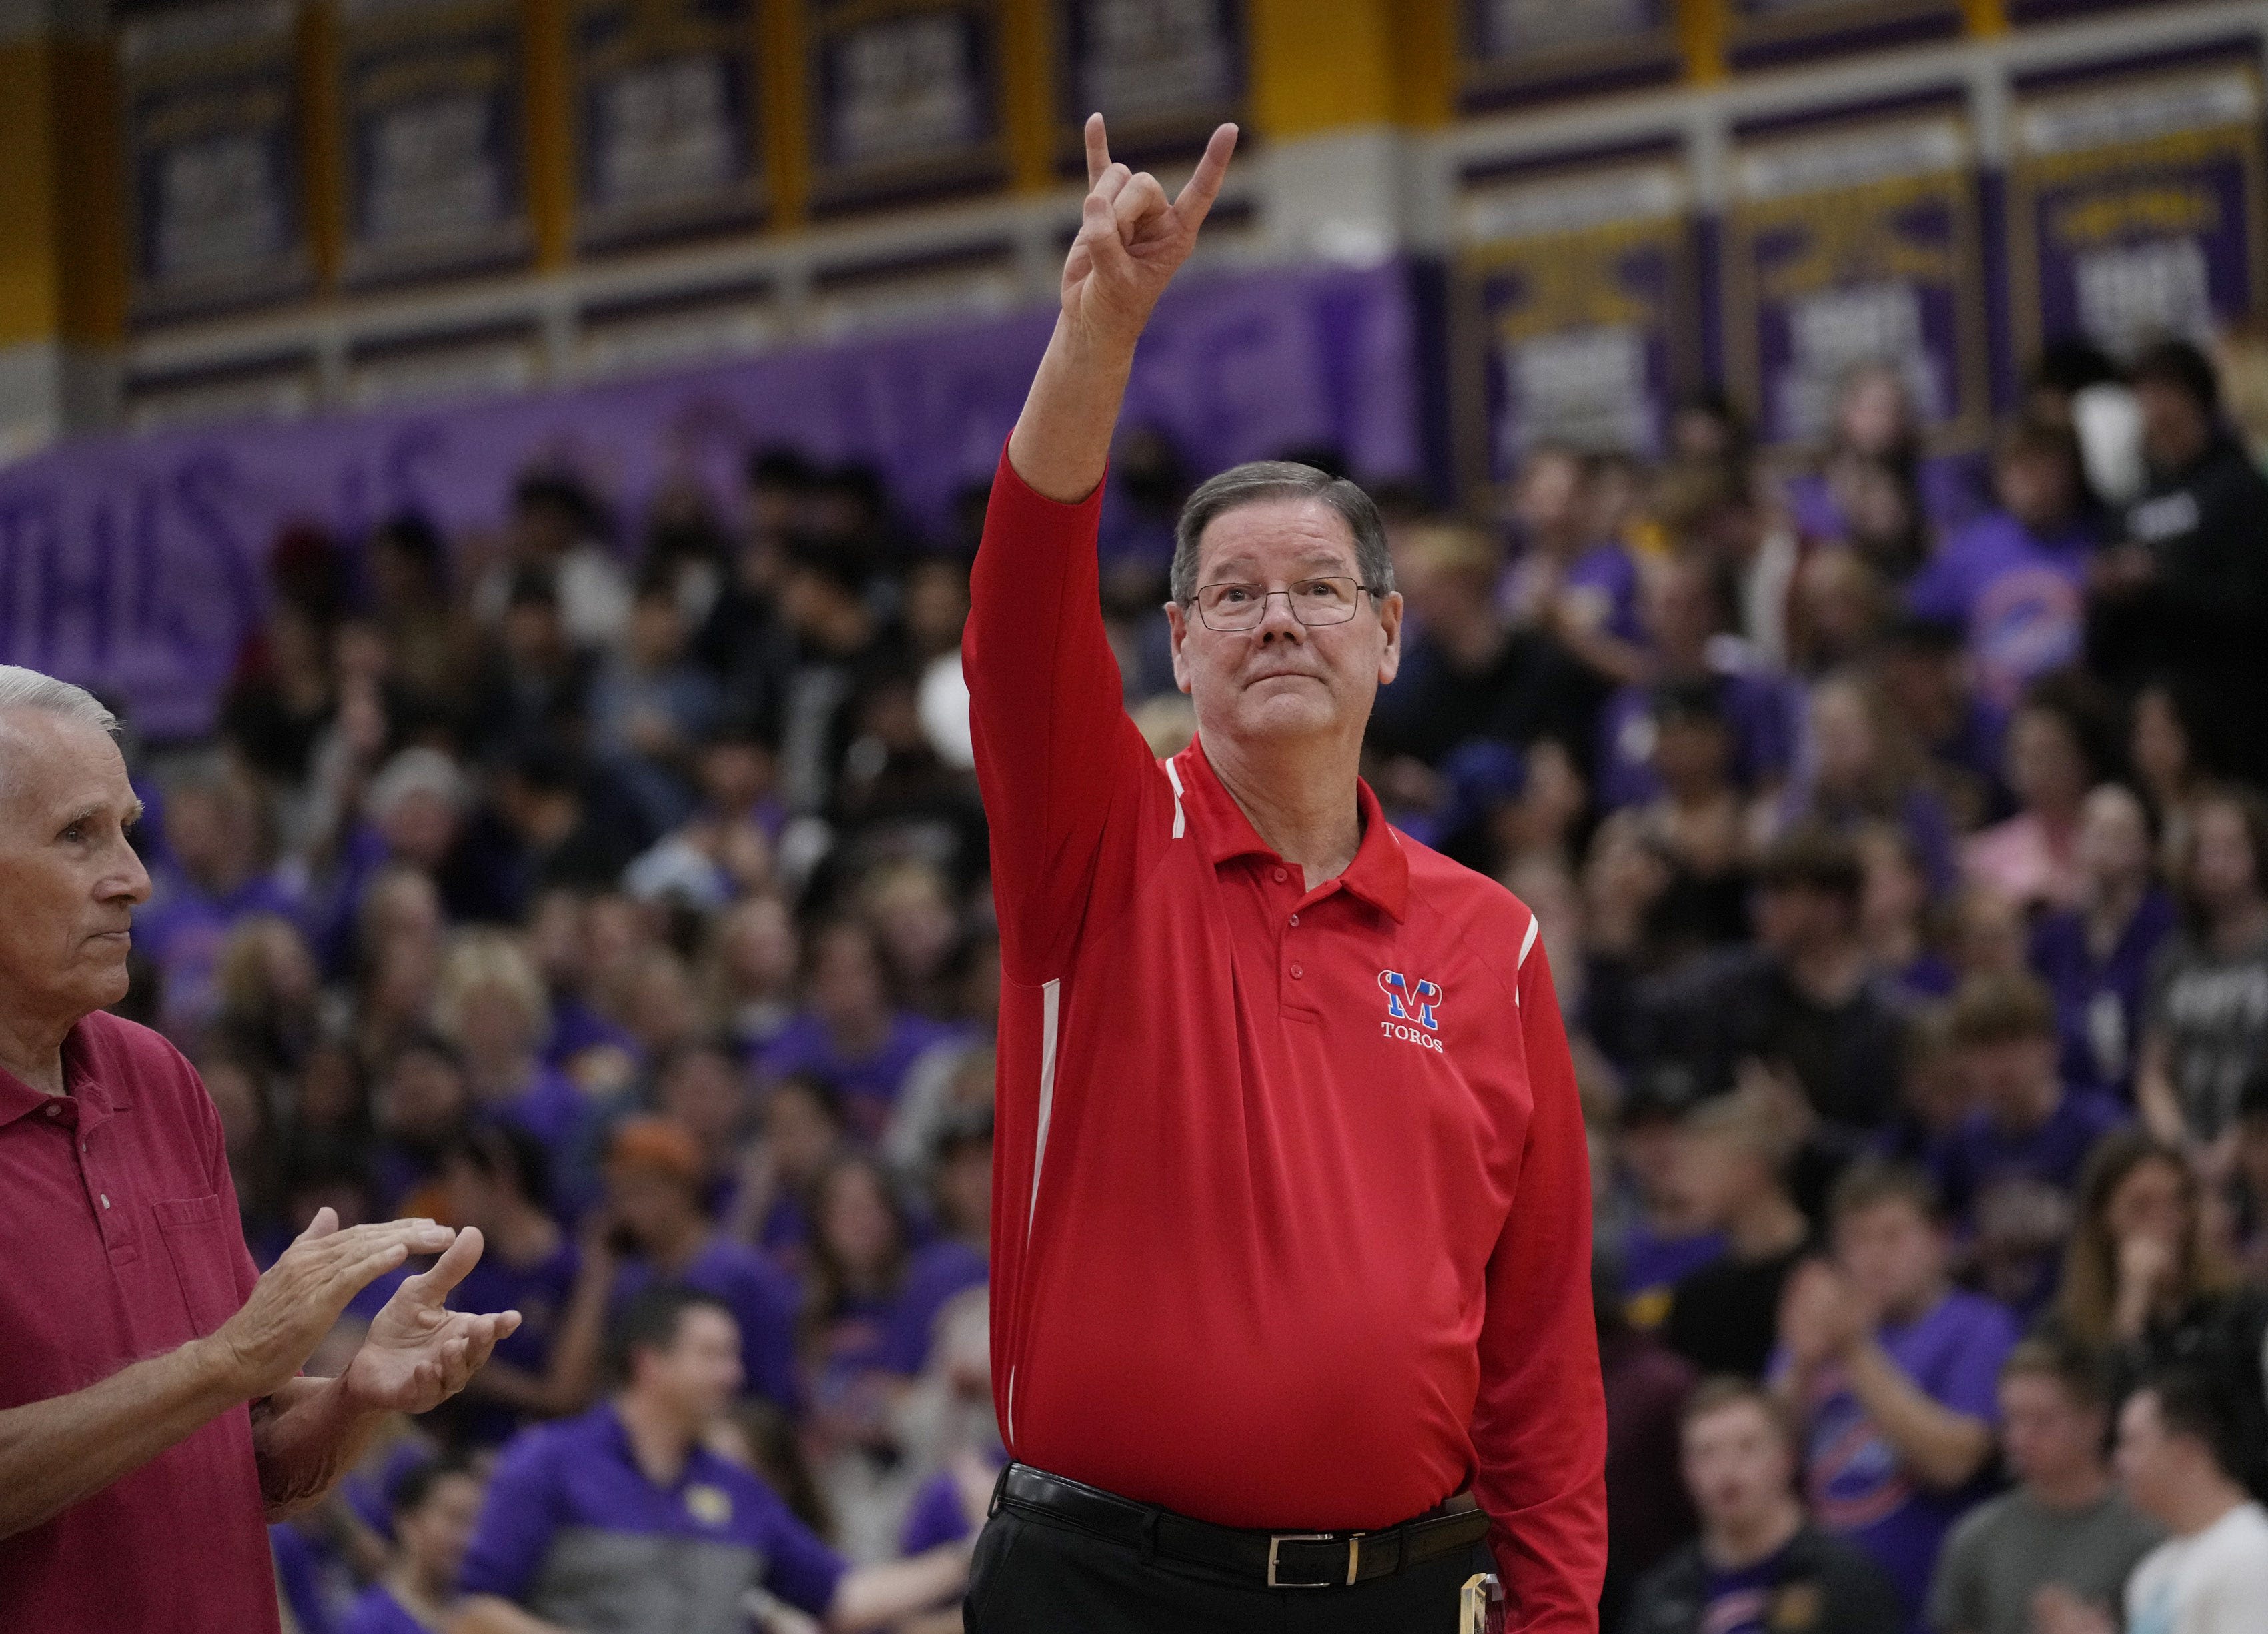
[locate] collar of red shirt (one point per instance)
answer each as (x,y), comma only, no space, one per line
(96,1100)
(1379,873)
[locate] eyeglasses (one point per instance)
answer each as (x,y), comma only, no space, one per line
(1233,607)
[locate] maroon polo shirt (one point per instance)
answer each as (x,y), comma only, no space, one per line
(119,1241)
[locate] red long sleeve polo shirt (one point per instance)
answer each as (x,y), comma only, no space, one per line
(1292,1203)
(119,1239)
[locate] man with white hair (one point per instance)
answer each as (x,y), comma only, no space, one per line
(151,1419)
(1290,1233)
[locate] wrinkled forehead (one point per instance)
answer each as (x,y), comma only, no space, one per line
(49,761)
(1272,539)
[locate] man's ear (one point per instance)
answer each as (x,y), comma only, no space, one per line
(1389,620)
(1177,622)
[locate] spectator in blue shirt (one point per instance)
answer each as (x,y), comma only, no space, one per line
(2010,1170)
(622,1522)
(433,1505)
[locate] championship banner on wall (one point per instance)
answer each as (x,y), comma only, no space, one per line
(665,119)
(212,113)
(1515,51)
(1854,243)
(1163,73)
(436,168)
(905,101)
(1576,313)
(2135,209)
(1759,33)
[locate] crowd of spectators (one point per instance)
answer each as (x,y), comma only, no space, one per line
(1893,819)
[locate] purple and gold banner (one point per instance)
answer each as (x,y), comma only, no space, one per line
(2135,210)
(1576,315)
(1763,33)
(211,113)
(665,119)
(1164,72)
(1856,243)
(905,101)
(431,93)
(1515,50)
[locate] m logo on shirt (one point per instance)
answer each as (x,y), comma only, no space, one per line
(1407,1000)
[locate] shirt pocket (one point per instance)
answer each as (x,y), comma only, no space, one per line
(202,1242)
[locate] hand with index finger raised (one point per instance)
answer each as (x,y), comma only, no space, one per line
(1131,238)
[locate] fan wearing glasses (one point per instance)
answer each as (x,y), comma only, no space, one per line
(1291,1271)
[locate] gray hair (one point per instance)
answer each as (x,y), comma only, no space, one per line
(1258,481)
(22,688)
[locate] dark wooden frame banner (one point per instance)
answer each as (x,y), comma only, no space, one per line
(1765,33)
(1518,50)
(215,181)
(1576,311)
(1856,241)
(905,101)
(2136,208)
(667,138)
(1163,73)
(435,147)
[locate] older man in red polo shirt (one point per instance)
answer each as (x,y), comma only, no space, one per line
(151,1420)
(1291,1228)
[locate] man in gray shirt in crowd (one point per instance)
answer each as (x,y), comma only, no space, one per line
(2064,1534)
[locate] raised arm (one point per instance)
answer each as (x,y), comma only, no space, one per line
(1130,243)
(1062,770)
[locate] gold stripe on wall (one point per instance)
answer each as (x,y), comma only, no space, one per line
(1986,18)
(1028,58)
(550,131)
(1319,65)
(91,249)
(1701,31)
(321,137)
(783,91)
(30,306)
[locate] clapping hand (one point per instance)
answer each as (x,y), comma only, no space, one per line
(1130,239)
(418,1353)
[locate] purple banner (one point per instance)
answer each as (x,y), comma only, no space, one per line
(2135,211)
(135,564)
(1578,313)
(1853,246)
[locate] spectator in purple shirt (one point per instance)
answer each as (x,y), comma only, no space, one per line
(2010,1172)
(1893,1372)
(654,1229)
(433,1506)
(848,1032)
(961,1184)
(1686,610)
(2095,957)
(491,1005)
(2014,578)
(498,1178)
(211,877)
(624,1521)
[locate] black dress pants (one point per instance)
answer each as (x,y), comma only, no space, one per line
(1038,1577)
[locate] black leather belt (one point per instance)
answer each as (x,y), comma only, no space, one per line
(1260,1559)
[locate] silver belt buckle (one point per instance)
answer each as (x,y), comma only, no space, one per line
(1277,1540)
